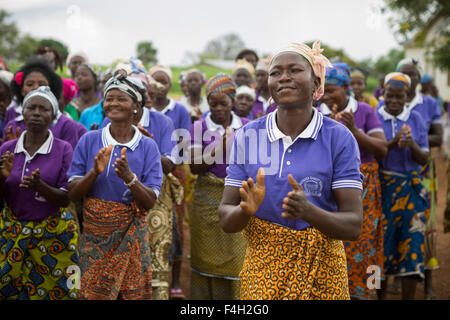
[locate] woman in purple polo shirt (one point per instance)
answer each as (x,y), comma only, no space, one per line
(404,198)
(118,172)
(38,236)
(308,190)
(216,257)
(362,121)
(33,75)
(262,106)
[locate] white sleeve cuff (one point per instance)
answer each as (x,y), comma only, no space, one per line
(353,184)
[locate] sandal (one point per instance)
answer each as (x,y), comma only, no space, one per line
(177,294)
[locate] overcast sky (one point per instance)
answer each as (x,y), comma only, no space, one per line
(106,30)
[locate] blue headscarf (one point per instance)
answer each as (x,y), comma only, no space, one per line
(338,73)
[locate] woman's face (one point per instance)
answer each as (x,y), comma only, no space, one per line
(242,78)
(33,81)
(244,104)
(251,59)
(162,78)
(291,81)
(261,79)
(84,78)
(119,106)
(358,85)
(395,99)
(194,83)
(335,95)
(412,72)
(74,63)
(37,114)
(220,106)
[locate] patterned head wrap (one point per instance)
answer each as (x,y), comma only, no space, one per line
(221,83)
(70,89)
(244,64)
(246,90)
(163,69)
(127,84)
(338,73)
(6,77)
(316,59)
(397,80)
(46,93)
(357,74)
(412,62)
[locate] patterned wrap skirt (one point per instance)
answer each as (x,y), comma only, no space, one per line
(368,249)
(38,259)
(405,211)
(282,263)
(115,256)
(214,253)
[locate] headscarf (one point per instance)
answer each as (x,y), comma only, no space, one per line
(221,83)
(46,93)
(244,64)
(91,68)
(163,69)
(263,64)
(357,74)
(77,54)
(315,57)
(6,77)
(412,62)
(122,83)
(397,80)
(190,71)
(246,90)
(338,73)
(70,89)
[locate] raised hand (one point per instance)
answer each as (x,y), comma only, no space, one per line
(349,120)
(252,194)
(33,181)
(6,164)
(406,137)
(144,131)
(10,135)
(102,158)
(94,126)
(121,167)
(295,205)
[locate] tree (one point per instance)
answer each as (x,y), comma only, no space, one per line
(8,35)
(26,47)
(146,52)
(224,47)
(413,16)
(386,64)
(55,44)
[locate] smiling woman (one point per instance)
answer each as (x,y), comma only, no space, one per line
(295,217)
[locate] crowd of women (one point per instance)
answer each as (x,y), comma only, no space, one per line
(101,173)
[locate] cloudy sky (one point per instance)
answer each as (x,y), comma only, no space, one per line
(107,30)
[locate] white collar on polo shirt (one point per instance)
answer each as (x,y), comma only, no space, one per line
(43,149)
(352,105)
(170,106)
(403,116)
(235,124)
(418,99)
(310,132)
(145,118)
(108,139)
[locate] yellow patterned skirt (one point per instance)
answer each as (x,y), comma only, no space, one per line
(283,263)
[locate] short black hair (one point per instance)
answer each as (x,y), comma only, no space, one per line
(244,53)
(37,65)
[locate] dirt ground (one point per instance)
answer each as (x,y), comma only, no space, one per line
(441,276)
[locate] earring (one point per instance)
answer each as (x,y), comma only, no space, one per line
(135,111)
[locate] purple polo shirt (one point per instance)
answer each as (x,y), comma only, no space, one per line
(401,159)
(179,115)
(206,134)
(366,120)
(53,160)
(65,129)
(426,106)
(261,104)
(13,111)
(143,157)
(161,127)
(322,158)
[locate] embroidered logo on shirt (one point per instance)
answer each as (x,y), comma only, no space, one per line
(312,186)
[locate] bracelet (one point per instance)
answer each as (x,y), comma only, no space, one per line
(133,181)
